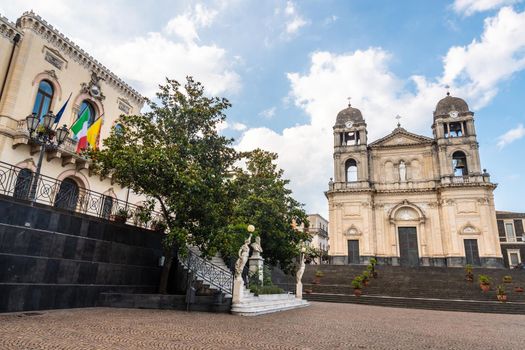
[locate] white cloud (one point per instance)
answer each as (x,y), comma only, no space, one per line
(293,19)
(239,126)
(268,113)
(478,68)
(469,7)
(186,25)
(511,136)
(474,71)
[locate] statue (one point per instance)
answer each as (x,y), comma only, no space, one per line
(256,246)
(402,171)
(300,271)
(244,252)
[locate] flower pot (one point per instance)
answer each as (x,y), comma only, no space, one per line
(316,280)
(518,289)
(469,277)
(119,218)
(374,274)
(502,297)
(484,287)
(358,292)
(365,283)
(307,291)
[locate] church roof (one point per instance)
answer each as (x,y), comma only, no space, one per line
(349,114)
(399,137)
(450,103)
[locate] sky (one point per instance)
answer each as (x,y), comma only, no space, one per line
(288,68)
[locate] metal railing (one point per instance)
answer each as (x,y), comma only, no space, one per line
(208,272)
(17,182)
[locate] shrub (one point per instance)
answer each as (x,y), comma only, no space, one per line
(500,290)
(507,279)
(468,269)
(319,273)
(484,279)
(356,283)
(373,261)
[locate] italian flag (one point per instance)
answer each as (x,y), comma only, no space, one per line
(80,128)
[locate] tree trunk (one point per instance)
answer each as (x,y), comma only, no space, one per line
(165,274)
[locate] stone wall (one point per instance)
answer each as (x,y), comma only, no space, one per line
(52,258)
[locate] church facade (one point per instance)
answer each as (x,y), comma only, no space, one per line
(412,200)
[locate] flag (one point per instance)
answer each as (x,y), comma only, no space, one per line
(61,111)
(80,128)
(93,132)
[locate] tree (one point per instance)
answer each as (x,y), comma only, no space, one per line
(262,199)
(174,155)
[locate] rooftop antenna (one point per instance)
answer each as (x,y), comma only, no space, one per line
(398,117)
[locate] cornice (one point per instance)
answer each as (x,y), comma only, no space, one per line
(8,29)
(39,26)
(400,131)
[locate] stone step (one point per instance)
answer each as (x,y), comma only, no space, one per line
(255,308)
(420,303)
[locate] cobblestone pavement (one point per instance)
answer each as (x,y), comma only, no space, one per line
(321,326)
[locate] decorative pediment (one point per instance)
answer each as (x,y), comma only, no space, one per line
(401,137)
(353,231)
(469,229)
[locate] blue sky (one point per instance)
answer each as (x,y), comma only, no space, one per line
(288,67)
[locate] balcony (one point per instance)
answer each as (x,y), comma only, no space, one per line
(466,180)
(402,186)
(18,183)
(352,186)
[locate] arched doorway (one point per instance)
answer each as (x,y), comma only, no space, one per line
(23,184)
(407,220)
(67,196)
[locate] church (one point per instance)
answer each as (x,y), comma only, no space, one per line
(412,200)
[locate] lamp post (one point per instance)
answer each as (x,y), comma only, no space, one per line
(41,133)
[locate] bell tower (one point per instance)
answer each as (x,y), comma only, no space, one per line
(455,136)
(350,148)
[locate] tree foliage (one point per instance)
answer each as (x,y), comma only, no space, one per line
(174,154)
(261,198)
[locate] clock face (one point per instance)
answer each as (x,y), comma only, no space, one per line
(453,114)
(349,124)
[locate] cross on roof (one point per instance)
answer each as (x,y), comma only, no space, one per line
(448,88)
(398,117)
(349,104)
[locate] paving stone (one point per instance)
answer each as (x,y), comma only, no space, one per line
(321,326)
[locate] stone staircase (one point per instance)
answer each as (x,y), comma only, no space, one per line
(424,287)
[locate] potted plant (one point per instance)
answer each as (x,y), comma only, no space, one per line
(356,283)
(518,289)
(318,275)
(373,263)
(122,215)
(366,278)
(502,296)
(507,279)
(484,283)
(469,276)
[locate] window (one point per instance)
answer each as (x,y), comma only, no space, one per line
(44,96)
(454,129)
(118,128)
(23,184)
(87,107)
(509,232)
(67,196)
(351,170)
(514,257)
(459,164)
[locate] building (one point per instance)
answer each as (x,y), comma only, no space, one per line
(511,236)
(318,230)
(39,69)
(412,200)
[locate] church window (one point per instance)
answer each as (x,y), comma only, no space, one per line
(509,231)
(351,170)
(87,107)
(459,164)
(44,96)
(455,129)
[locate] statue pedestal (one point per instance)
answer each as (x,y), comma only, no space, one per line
(256,263)
(238,290)
(299,290)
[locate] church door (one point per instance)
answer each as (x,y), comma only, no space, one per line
(471,252)
(353,251)
(408,251)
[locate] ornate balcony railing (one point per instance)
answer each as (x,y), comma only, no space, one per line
(17,182)
(208,272)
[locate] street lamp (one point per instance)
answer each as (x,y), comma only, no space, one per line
(41,133)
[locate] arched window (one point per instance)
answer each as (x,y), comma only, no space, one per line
(23,184)
(87,107)
(118,128)
(459,164)
(67,196)
(44,96)
(107,207)
(351,170)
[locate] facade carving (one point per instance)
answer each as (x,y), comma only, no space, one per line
(408,199)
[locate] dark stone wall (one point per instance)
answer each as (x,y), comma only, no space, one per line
(51,258)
